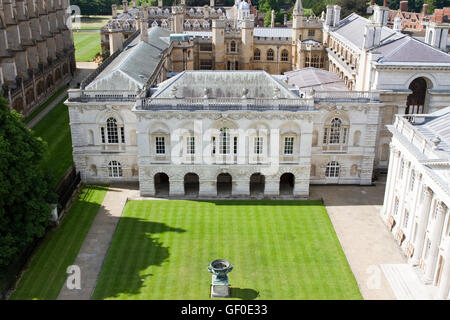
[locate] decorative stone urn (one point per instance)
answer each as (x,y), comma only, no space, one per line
(219,285)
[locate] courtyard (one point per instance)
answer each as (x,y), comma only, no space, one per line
(280,249)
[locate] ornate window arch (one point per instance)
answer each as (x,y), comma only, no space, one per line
(224,141)
(270,55)
(112,132)
(257,55)
(285,55)
(233,46)
(335,134)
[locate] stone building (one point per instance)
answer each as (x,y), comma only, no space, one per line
(222,38)
(36,51)
(417,198)
(136,102)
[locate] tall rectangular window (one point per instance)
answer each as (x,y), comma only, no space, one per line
(102,130)
(160,145)
(288,145)
(235,142)
(258,145)
(190,144)
(325,136)
(405,221)
(214,145)
(122,134)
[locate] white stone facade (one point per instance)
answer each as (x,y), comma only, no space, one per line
(417,194)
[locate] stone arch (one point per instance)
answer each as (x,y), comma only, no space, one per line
(30,96)
(18,105)
(49,81)
(162,184)
(287,184)
(191,184)
(341,114)
(224,184)
(257,184)
(102,117)
(57,74)
(415,102)
(40,88)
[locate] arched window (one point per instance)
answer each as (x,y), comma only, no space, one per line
(224,141)
(114,169)
(270,55)
(233,46)
(284,55)
(335,133)
(257,55)
(112,131)
(111,127)
(333,170)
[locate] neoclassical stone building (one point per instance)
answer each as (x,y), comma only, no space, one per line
(36,51)
(417,199)
(323,126)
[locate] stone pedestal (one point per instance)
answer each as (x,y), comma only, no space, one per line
(220,291)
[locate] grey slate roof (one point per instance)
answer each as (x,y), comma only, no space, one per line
(136,62)
(223,84)
(408,49)
(317,79)
(352,28)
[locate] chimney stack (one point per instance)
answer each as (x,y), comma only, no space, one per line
(403,5)
(160,3)
(144,26)
(272,20)
(134,3)
(329,15)
(425,9)
(337,15)
(397,24)
(125,6)
(212,3)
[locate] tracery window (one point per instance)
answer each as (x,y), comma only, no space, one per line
(257,55)
(270,55)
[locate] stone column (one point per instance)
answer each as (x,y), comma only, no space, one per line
(435,238)
(424,212)
(444,286)
(392,181)
(388,191)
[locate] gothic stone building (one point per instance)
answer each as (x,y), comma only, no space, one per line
(36,51)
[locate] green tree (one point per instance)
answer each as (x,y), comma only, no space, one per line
(24,189)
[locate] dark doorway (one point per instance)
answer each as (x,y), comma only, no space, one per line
(416,100)
(257,184)
(191,185)
(224,185)
(162,185)
(287,182)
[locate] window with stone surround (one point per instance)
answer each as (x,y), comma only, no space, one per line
(259,145)
(114,169)
(335,133)
(333,169)
(284,55)
(190,145)
(288,145)
(160,144)
(224,142)
(112,133)
(270,55)
(257,55)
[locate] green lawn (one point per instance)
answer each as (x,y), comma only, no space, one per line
(47,271)
(44,105)
(55,130)
(280,250)
(87,45)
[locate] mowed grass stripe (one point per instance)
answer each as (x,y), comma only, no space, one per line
(46,273)
(280,249)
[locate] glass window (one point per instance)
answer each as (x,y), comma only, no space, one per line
(284,55)
(102,130)
(235,142)
(270,55)
(111,128)
(413,178)
(114,169)
(332,170)
(160,145)
(258,145)
(233,46)
(335,131)
(257,55)
(190,143)
(405,221)
(288,145)
(224,141)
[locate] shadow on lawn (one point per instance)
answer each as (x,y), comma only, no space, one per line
(129,255)
(244,294)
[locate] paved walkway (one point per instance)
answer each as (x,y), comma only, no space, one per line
(367,244)
(95,246)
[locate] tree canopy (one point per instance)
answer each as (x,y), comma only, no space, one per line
(24,189)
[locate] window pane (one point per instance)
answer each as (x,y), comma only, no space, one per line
(111,128)
(160,145)
(288,145)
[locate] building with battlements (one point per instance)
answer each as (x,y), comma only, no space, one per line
(36,51)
